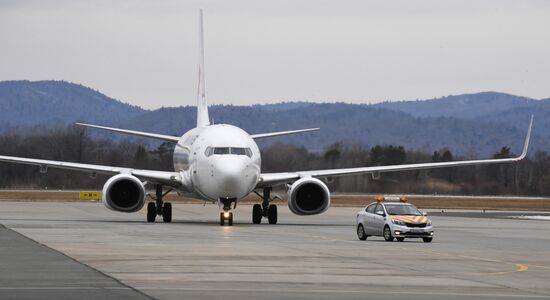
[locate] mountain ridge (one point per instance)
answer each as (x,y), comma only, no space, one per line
(467,124)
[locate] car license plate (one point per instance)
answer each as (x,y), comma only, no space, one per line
(417,230)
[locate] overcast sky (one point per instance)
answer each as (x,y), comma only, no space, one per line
(145,52)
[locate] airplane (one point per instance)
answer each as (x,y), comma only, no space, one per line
(221,163)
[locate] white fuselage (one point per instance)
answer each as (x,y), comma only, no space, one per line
(220,161)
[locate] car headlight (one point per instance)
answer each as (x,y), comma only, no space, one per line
(429,223)
(398,222)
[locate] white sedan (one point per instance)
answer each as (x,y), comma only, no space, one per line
(393,220)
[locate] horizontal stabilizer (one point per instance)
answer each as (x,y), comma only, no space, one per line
(167,138)
(272,134)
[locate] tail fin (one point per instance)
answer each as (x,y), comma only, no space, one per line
(202,106)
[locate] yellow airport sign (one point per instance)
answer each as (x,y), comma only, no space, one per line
(90,195)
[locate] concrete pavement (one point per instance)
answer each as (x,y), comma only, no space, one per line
(316,257)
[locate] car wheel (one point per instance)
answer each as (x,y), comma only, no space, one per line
(400,239)
(361,232)
(387,234)
(427,239)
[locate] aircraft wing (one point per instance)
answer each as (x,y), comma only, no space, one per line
(272,134)
(271,179)
(167,138)
(175,139)
(168,178)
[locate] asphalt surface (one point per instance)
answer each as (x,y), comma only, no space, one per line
(316,257)
(29,270)
(485,214)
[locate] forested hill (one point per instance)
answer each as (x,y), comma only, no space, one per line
(26,103)
(462,106)
(467,124)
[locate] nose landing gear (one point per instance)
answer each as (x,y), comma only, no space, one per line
(227,214)
(265,209)
(160,208)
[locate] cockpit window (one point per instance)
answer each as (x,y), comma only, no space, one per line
(222,150)
(228,150)
(238,151)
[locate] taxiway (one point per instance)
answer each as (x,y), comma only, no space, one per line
(57,250)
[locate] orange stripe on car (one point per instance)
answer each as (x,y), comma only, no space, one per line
(411,219)
(403,218)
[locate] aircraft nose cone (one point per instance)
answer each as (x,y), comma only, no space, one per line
(230,173)
(231,177)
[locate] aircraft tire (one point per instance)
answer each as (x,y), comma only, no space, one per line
(230,219)
(256,214)
(272,214)
(151,212)
(222,219)
(167,212)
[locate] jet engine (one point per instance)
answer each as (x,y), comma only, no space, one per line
(308,196)
(124,193)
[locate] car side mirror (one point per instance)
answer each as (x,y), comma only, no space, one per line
(381,213)
(424,213)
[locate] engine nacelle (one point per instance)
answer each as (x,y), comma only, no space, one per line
(308,196)
(124,193)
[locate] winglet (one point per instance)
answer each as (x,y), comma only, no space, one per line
(527,140)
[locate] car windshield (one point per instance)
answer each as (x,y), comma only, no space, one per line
(410,210)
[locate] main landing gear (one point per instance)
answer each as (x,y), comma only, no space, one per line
(160,208)
(265,209)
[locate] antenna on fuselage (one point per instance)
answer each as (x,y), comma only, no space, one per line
(202,104)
